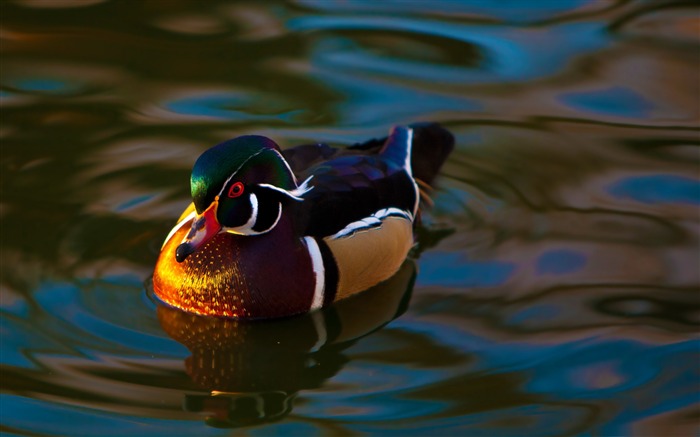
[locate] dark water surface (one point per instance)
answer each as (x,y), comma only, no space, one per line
(554,290)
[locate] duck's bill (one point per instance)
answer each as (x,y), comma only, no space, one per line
(204,228)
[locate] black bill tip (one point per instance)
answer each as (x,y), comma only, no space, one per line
(183,251)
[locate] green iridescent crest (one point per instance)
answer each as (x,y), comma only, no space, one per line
(249,159)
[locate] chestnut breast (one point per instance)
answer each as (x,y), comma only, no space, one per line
(263,276)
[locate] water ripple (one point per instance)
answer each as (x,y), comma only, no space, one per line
(508,56)
(557,276)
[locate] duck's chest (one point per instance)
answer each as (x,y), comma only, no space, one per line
(237,276)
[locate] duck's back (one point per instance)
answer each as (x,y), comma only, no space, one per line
(431,145)
(350,189)
(357,182)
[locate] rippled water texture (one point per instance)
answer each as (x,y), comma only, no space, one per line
(554,290)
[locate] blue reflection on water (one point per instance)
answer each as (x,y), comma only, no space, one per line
(511,56)
(284,429)
(453,270)
(516,11)
(135,201)
(73,314)
(378,102)
(520,11)
(661,188)
(560,261)
(638,369)
(534,313)
(46,86)
(18,307)
(223,105)
(18,336)
(383,399)
(210,105)
(505,422)
(661,378)
(44,417)
(618,101)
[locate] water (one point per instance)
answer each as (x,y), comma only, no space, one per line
(554,290)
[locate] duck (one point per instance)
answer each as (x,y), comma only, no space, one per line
(273,233)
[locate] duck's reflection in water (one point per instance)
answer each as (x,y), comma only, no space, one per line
(253,370)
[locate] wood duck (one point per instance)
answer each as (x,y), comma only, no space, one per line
(274,233)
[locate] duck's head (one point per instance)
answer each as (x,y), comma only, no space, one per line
(239,186)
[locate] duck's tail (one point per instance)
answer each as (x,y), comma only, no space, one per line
(397,147)
(430,145)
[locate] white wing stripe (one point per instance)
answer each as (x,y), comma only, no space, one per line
(372,221)
(409,151)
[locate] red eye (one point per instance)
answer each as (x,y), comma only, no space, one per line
(235,190)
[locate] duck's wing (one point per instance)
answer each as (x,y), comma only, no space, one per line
(360,185)
(301,158)
(354,192)
(431,144)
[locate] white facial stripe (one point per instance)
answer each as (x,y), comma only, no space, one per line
(279,214)
(253,213)
(295,193)
(177,227)
(236,170)
(294,178)
(372,221)
(247,228)
(319,272)
(303,188)
(280,190)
